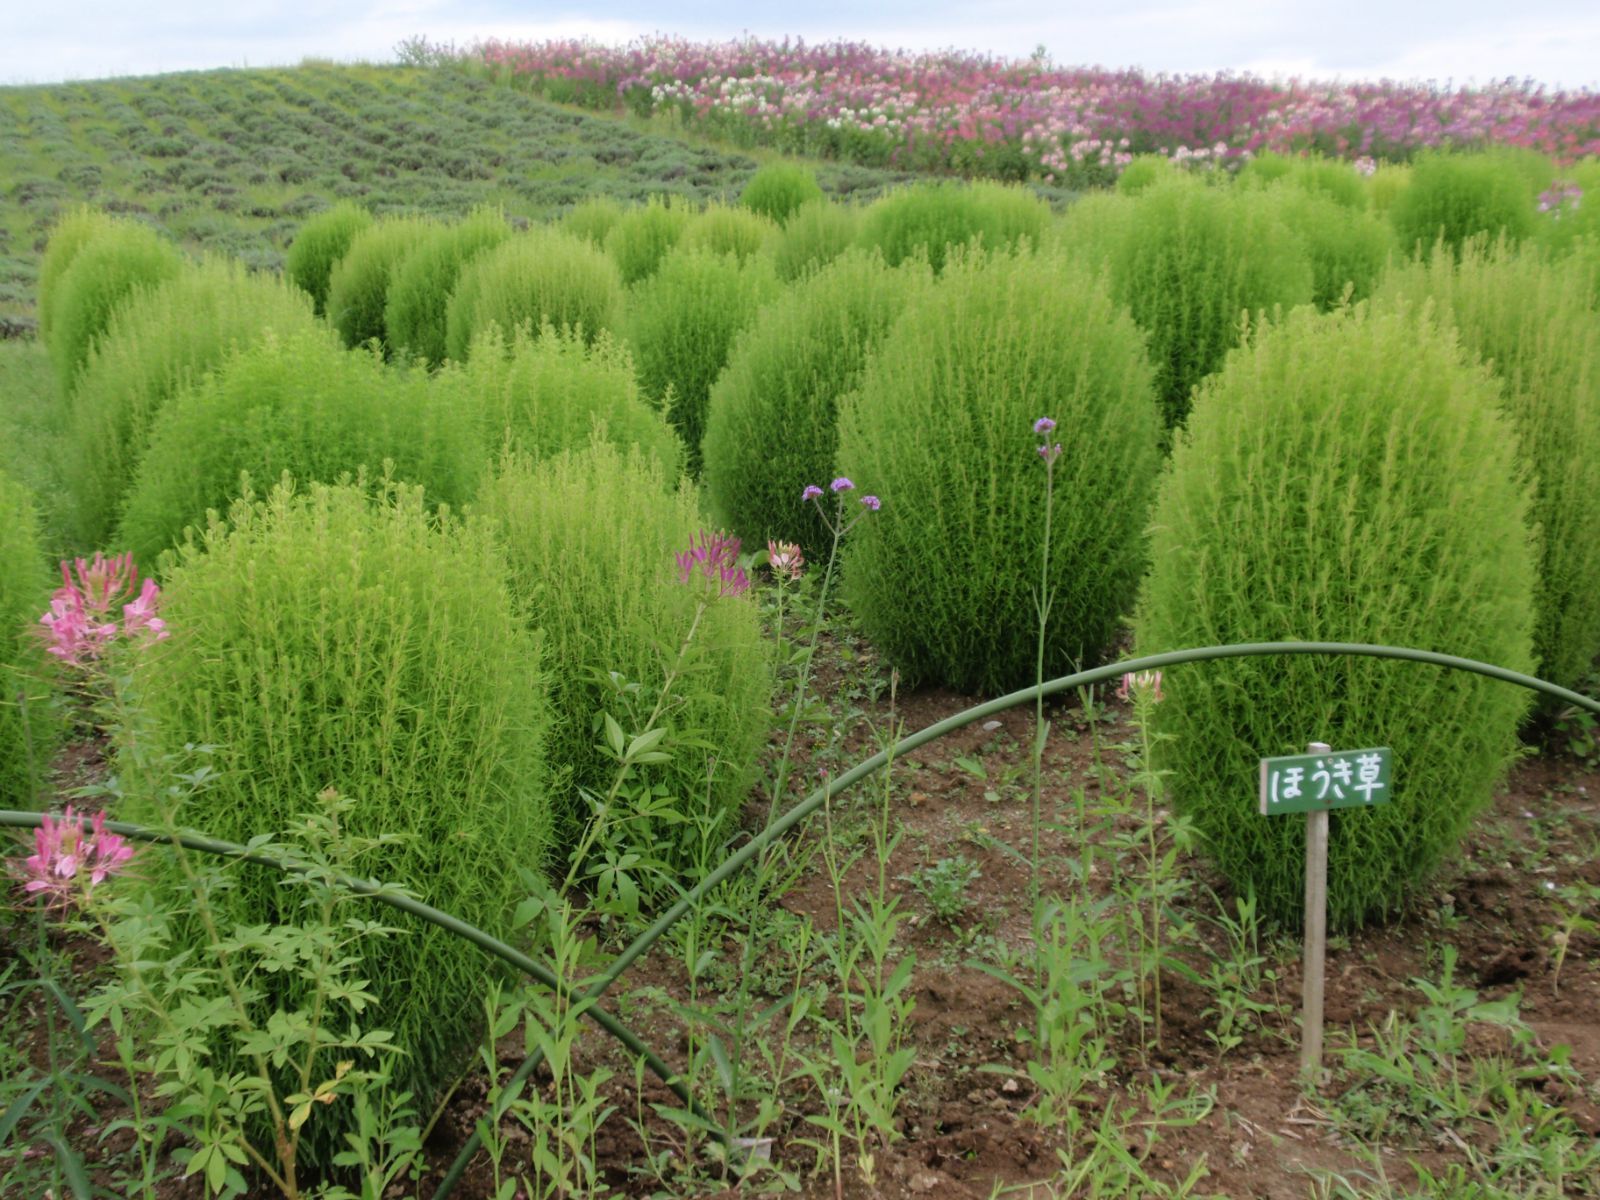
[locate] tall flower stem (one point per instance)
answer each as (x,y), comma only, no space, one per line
(1049,453)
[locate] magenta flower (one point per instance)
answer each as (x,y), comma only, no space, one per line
(715,558)
(841,484)
(812,492)
(785,559)
(871,503)
(1050,453)
(69,862)
(1043,425)
(140,617)
(82,619)
(1136,683)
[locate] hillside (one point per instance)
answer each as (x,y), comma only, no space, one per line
(234,160)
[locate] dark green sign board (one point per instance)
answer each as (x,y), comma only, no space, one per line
(1302,783)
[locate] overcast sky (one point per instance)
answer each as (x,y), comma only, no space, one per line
(1555,42)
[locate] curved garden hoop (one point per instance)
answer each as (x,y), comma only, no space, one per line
(798,813)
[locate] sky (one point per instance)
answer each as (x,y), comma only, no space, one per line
(1553,42)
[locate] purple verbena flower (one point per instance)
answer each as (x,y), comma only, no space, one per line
(841,484)
(1043,425)
(812,492)
(871,503)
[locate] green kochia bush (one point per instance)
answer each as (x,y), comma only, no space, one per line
(542,393)
(681,323)
(591,538)
(160,341)
(1348,246)
(815,235)
(770,429)
(414,318)
(943,578)
(322,241)
(778,189)
(930,218)
(1527,319)
(26,728)
(1456,196)
(103,273)
(1305,503)
(534,278)
(724,230)
(335,642)
(70,234)
(358,289)
(643,236)
(1190,260)
(592,219)
(304,405)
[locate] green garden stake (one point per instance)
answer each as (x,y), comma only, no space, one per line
(1315,783)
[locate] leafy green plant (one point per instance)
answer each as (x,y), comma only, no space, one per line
(681,324)
(943,578)
(720,229)
(158,344)
(659,694)
(1189,260)
(304,406)
(108,267)
(815,234)
(543,277)
(1304,504)
(71,232)
(321,243)
(592,219)
(408,682)
(416,309)
(1144,171)
(1453,197)
(1526,319)
(771,425)
(944,886)
(1347,245)
(641,237)
(778,189)
(928,219)
(358,286)
(28,727)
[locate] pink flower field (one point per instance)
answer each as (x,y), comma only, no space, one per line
(1026,118)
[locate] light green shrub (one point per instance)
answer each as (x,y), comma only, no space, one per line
(592,219)
(28,729)
(303,405)
(322,241)
(1144,170)
(642,236)
(943,578)
(771,424)
(1571,219)
(1090,230)
(1452,197)
(1385,185)
(681,323)
(1348,246)
(542,276)
(543,392)
(591,537)
(1528,321)
(815,235)
(1332,179)
(927,219)
(723,230)
(158,343)
(778,189)
(105,271)
(419,296)
(71,233)
(1191,260)
(328,641)
(1344,478)
(358,288)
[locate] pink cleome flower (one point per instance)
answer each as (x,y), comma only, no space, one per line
(69,861)
(1136,683)
(82,619)
(715,557)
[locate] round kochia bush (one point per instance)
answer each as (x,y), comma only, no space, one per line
(302,405)
(1189,261)
(26,737)
(591,537)
(1452,197)
(1348,247)
(332,641)
(543,276)
(930,218)
(1305,504)
(540,394)
(641,237)
(158,343)
(681,323)
(724,230)
(943,578)
(771,428)
(1528,320)
(414,318)
(358,289)
(70,234)
(321,243)
(814,235)
(777,189)
(110,265)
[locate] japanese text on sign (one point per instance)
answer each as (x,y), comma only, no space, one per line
(1335,779)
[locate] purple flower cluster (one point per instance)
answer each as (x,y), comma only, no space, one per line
(715,559)
(977,113)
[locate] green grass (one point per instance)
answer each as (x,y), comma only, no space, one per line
(235,160)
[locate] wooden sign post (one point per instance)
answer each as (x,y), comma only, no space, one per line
(1316,783)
